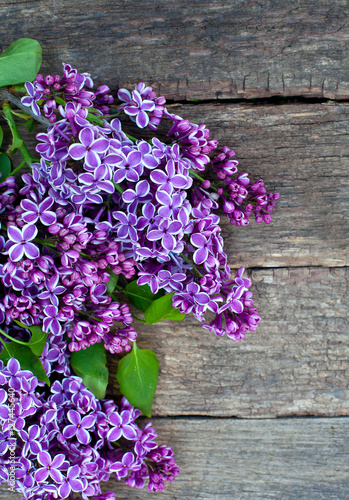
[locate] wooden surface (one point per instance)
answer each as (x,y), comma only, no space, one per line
(296,364)
(203,49)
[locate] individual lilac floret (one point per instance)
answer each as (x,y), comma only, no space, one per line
(90,148)
(142,106)
(19,243)
(32,98)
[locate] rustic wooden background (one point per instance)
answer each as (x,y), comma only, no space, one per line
(265,418)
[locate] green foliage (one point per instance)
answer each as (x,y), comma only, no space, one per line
(140,295)
(27,359)
(5,166)
(90,365)
(113,281)
(137,376)
(38,338)
(20,62)
(161,309)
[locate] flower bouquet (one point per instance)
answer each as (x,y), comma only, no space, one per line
(99,221)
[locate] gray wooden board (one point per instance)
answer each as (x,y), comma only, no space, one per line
(285,459)
(295,364)
(302,151)
(199,50)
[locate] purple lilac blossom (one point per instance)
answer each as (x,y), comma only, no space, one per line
(66,440)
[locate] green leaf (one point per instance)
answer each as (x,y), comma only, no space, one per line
(1,135)
(137,376)
(113,281)
(26,358)
(20,62)
(161,309)
(140,295)
(38,338)
(5,166)
(175,315)
(90,365)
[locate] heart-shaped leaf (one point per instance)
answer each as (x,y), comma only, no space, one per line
(161,309)
(26,358)
(140,295)
(20,62)
(112,282)
(90,365)
(176,315)
(38,338)
(5,166)
(137,376)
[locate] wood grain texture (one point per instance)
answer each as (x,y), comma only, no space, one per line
(287,459)
(300,150)
(295,364)
(204,49)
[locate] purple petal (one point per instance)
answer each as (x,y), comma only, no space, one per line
(92,159)
(83,436)
(86,136)
(198,240)
(74,417)
(58,461)
(200,255)
(142,188)
(46,204)
(168,242)
(14,234)
(16,252)
(128,196)
(89,420)
(69,431)
(134,158)
(77,151)
(44,458)
(158,177)
(56,475)
(64,489)
(31,251)
(30,217)
(29,206)
(48,218)
(29,232)
(114,434)
(124,95)
(41,474)
(142,119)
(163,198)
(155,234)
(148,105)
(129,432)
(115,419)
(100,145)
(179,181)
(132,175)
(13,366)
(174,227)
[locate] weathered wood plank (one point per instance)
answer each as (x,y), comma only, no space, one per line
(301,150)
(202,50)
(295,364)
(289,459)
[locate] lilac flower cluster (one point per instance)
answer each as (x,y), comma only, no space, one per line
(71,87)
(68,441)
(57,271)
(150,198)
